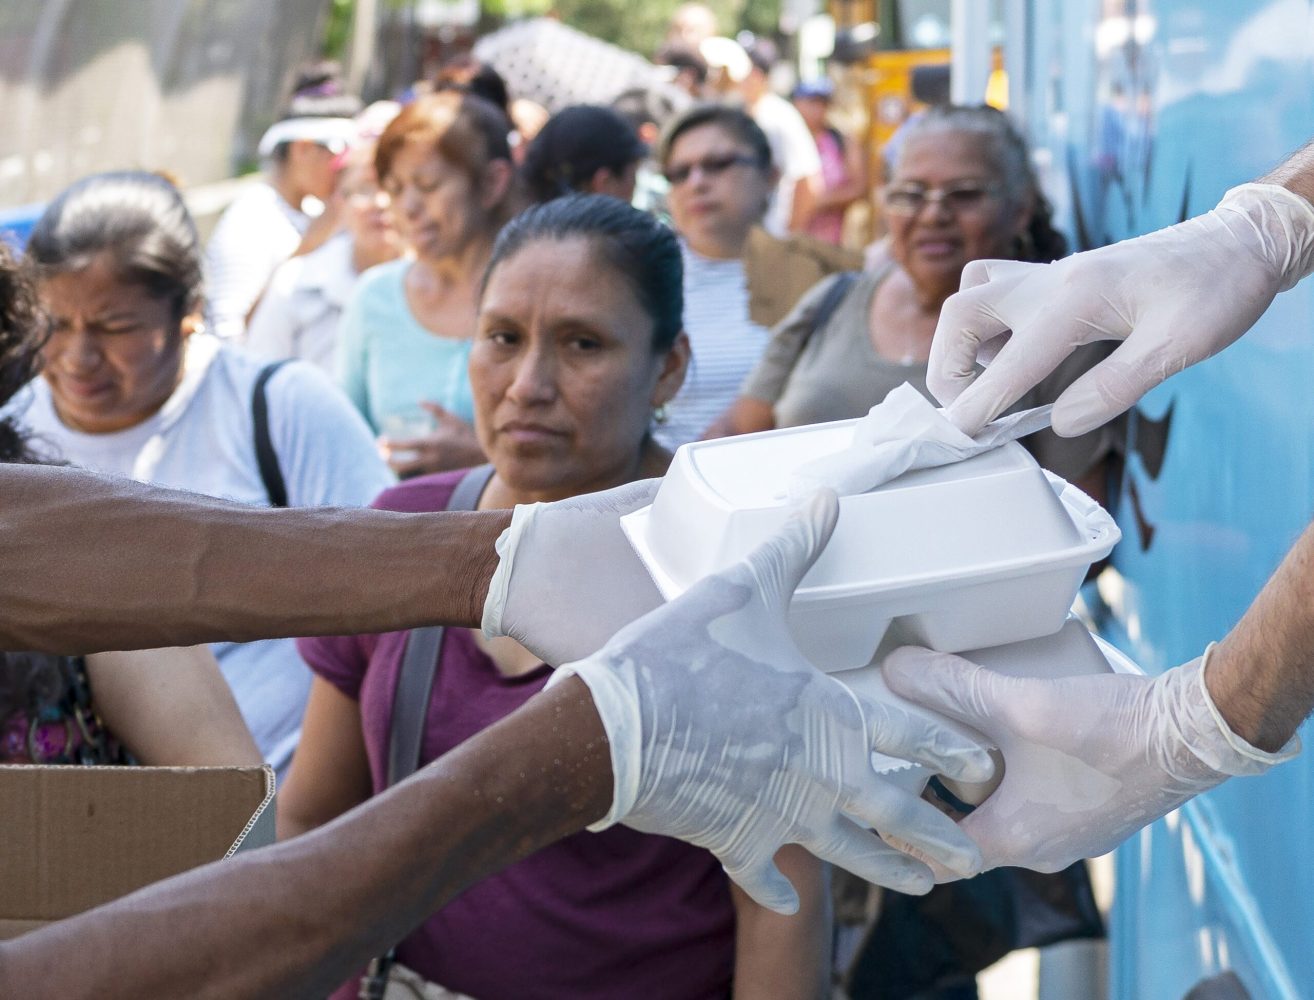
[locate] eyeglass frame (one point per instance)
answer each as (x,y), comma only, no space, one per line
(712,166)
(939,196)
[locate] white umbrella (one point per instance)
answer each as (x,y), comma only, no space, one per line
(555,65)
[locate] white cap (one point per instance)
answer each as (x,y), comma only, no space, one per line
(334,134)
(726,54)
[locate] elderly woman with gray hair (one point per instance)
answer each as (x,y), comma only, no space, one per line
(963,189)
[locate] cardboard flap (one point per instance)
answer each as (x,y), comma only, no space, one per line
(76,837)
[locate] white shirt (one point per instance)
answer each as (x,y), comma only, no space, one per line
(793,151)
(726,347)
(202,440)
(298,315)
(256,233)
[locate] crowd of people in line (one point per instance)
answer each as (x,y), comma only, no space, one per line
(421,307)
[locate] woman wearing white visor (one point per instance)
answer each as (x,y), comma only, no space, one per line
(266,224)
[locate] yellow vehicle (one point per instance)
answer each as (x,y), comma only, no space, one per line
(896,57)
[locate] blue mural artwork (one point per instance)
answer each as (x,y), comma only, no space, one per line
(1143,113)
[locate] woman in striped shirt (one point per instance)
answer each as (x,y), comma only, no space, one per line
(718,163)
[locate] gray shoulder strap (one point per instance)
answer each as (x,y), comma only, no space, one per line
(410,700)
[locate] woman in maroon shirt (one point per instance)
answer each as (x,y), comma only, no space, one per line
(579,343)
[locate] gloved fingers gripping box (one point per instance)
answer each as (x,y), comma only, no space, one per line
(986,551)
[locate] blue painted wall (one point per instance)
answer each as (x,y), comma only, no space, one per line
(1144,112)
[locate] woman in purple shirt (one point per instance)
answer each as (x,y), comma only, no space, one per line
(579,341)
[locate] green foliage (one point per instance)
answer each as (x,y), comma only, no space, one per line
(337,26)
(515,8)
(638,25)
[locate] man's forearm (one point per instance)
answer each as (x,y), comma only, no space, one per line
(1296,173)
(298,918)
(94,563)
(1261,676)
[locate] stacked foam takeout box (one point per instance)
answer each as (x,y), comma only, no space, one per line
(982,557)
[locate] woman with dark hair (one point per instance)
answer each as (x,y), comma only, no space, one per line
(718,164)
(132,385)
(465,74)
(586,149)
(164,706)
(406,333)
(579,340)
(962,190)
(268,222)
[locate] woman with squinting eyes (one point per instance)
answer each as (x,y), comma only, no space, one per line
(445,165)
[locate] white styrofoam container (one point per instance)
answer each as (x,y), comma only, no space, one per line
(1070,652)
(987,551)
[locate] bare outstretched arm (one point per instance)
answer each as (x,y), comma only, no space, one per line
(296,919)
(635,734)
(93,563)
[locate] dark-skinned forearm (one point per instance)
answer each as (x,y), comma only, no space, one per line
(296,919)
(1261,676)
(93,563)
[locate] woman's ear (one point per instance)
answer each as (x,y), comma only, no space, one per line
(674,367)
(498,176)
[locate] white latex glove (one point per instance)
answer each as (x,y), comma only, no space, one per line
(1175,297)
(568,578)
(723,735)
(1088,760)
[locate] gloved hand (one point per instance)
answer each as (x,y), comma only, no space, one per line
(1175,297)
(1087,760)
(567,578)
(723,735)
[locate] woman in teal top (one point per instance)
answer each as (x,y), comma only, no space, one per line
(406,333)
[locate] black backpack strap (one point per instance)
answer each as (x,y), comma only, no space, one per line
(266,458)
(410,699)
(835,294)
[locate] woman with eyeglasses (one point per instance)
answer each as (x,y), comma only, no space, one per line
(718,164)
(962,190)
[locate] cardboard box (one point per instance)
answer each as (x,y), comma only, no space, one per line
(77,837)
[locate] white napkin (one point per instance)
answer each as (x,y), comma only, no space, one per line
(902,433)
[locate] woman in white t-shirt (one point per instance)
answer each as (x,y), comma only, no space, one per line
(267,224)
(132,385)
(299,313)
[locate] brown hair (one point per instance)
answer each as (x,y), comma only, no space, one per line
(466,131)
